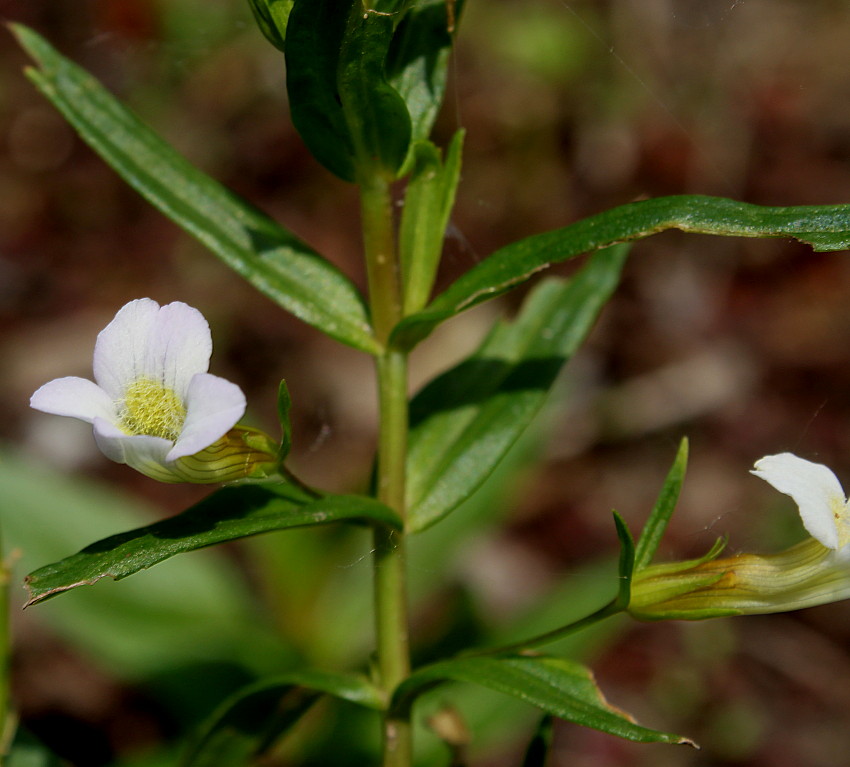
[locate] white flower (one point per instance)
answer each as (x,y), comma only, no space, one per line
(823,506)
(152,402)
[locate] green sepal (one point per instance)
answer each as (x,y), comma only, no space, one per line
(284,405)
(464,422)
(653,530)
(271,17)
(824,227)
(558,686)
(265,254)
(428,204)
(248,723)
(226,515)
(626,563)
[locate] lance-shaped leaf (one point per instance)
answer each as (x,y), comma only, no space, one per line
(558,686)
(250,721)
(342,105)
(418,60)
(228,514)
(824,227)
(463,423)
(269,257)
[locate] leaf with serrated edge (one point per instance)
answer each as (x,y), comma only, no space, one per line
(228,514)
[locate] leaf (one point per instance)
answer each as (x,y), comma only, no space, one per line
(269,257)
(313,40)
(560,687)
(375,111)
(463,423)
(271,17)
(418,61)
(141,626)
(428,204)
(249,722)
(655,526)
(824,227)
(347,113)
(228,514)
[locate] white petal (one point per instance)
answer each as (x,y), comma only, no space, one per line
(74,397)
(120,352)
(179,347)
(213,406)
(813,486)
(143,453)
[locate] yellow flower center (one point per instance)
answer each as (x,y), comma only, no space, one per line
(153,409)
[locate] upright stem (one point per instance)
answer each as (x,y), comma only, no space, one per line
(391,619)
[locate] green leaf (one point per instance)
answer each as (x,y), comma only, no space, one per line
(313,40)
(249,722)
(228,514)
(271,17)
(560,687)
(140,627)
(824,227)
(375,111)
(463,423)
(347,113)
(418,61)
(269,257)
(655,526)
(427,206)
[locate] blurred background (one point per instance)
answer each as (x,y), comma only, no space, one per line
(569,107)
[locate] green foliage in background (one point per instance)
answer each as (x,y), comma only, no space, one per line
(364,87)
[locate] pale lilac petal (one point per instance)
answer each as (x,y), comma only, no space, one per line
(74,397)
(143,453)
(179,347)
(213,406)
(121,350)
(814,487)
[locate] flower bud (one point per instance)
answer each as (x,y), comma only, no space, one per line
(804,575)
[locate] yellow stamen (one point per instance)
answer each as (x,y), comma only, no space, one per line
(153,409)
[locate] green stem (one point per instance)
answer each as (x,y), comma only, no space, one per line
(382,266)
(390,585)
(612,608)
